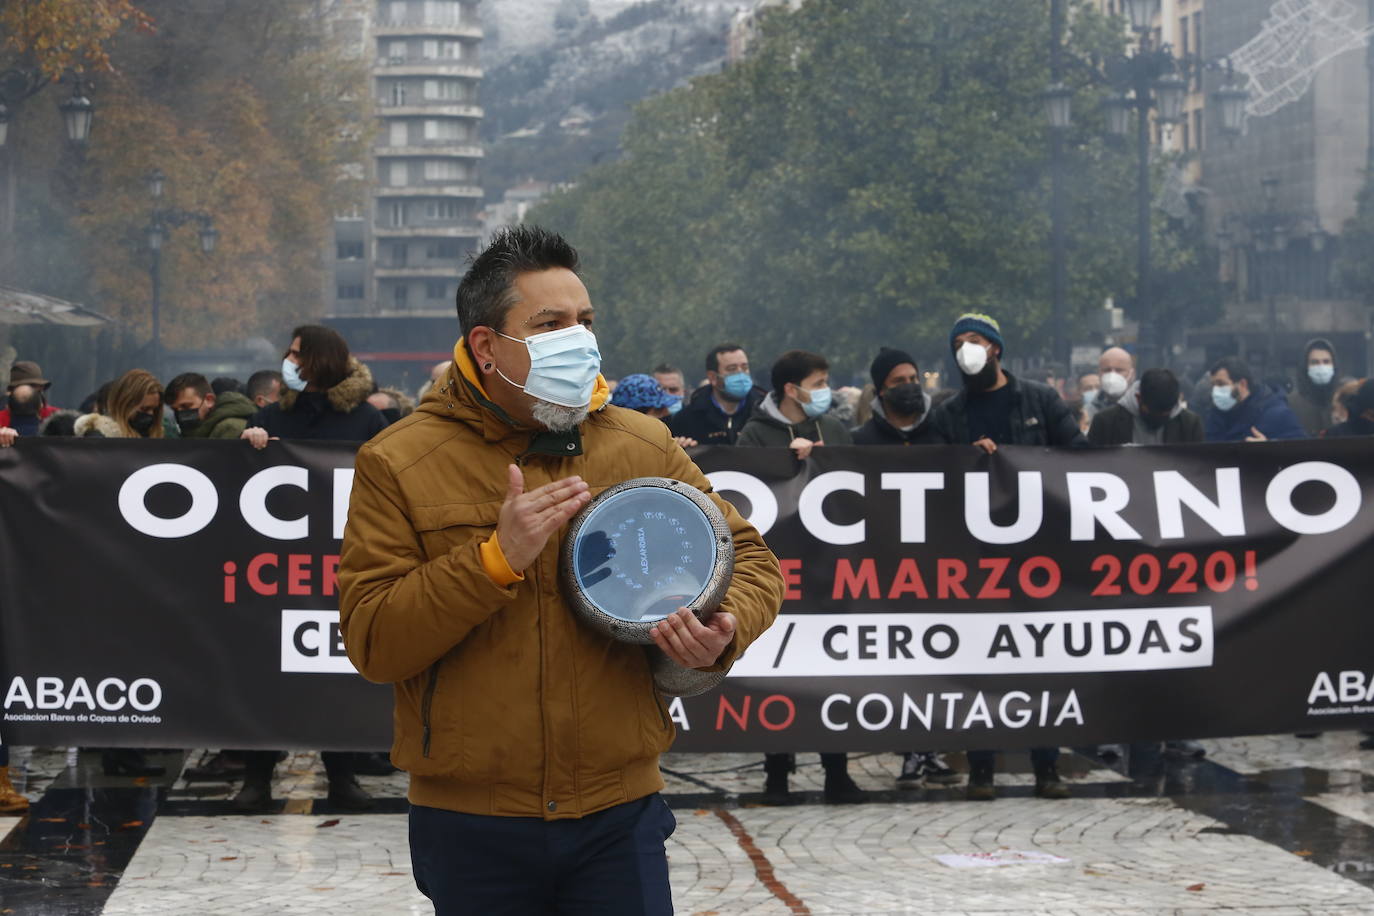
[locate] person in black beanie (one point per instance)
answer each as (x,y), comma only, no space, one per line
(901,407)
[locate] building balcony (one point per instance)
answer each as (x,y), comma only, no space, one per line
(430,190)
(427,108)
(444,231)
(422,67)
(419,27)
(432,150)
(418,272)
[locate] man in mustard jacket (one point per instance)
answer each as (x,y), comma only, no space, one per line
(532,742)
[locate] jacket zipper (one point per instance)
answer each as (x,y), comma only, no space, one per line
(427,702)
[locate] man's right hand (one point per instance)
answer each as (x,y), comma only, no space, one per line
(7,436)
(256,436)
(987,445)
(529,519)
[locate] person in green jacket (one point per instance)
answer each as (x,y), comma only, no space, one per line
(202,415)
(795,414)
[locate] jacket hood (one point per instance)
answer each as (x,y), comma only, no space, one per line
(881,413)
(343,397)
(769,412)
(1320,394)
(1131,405)
(58,417)
(232,405)
(98,423)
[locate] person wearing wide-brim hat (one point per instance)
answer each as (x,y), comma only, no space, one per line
(26,403)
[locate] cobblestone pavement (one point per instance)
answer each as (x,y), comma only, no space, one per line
(1269,825)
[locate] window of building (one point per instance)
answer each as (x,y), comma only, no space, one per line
(396,12)
(1186,132)
(396,50)
(443,50)
(443,170)
(445,90)
(436,289)
(351,292)
(442,12)
(398,254)
(400,134)
(1183,34)
(443,249)
(441,210)
(398,213)
(350,251)
(398,93)
(398,174)
(398,295)
(1197,129)
(445,130)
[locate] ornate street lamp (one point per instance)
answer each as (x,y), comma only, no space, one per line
(1170,94)
(156,236)
(4,124)
(1141,13)
(1231,101)
(209,237)
(1059,106)
(1118,108)
(77,114)
(156,182)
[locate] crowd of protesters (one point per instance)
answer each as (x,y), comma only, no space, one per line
(322,392)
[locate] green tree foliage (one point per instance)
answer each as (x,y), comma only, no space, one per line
(870,171)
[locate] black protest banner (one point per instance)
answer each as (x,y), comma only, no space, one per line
(184,594)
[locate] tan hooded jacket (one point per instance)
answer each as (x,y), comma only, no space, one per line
(505,703)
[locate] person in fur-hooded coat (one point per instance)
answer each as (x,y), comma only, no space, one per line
(329,400)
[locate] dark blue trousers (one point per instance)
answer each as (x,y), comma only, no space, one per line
(612,863)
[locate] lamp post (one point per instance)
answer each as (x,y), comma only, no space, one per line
(78,114)
(1058,110)
(161,222)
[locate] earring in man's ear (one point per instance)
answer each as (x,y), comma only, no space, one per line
(487,366)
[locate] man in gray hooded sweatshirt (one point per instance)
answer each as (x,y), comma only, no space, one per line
(1149,413)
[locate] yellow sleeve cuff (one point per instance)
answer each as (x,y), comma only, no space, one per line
(496,566)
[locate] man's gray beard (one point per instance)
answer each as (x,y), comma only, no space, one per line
(557,418)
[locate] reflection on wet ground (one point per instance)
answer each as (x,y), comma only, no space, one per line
(1311,798)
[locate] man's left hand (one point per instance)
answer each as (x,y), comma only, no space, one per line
(1256,435)
(691,643)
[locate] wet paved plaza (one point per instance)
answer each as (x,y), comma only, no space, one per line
(1272,825)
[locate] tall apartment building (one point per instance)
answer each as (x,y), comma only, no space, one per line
(403,256)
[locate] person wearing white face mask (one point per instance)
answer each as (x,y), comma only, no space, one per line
(1245,409)
(995,408)
(532,741)
(1116,373)
(1317,385)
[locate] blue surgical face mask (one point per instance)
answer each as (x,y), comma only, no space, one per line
(564,365)
(1224,396)
(1321,375)
(738,385)
(819,403)
(291,375)
(674,407)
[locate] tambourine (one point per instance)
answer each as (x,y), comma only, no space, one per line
(639,551)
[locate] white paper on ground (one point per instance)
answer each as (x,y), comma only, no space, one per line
(998,859)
